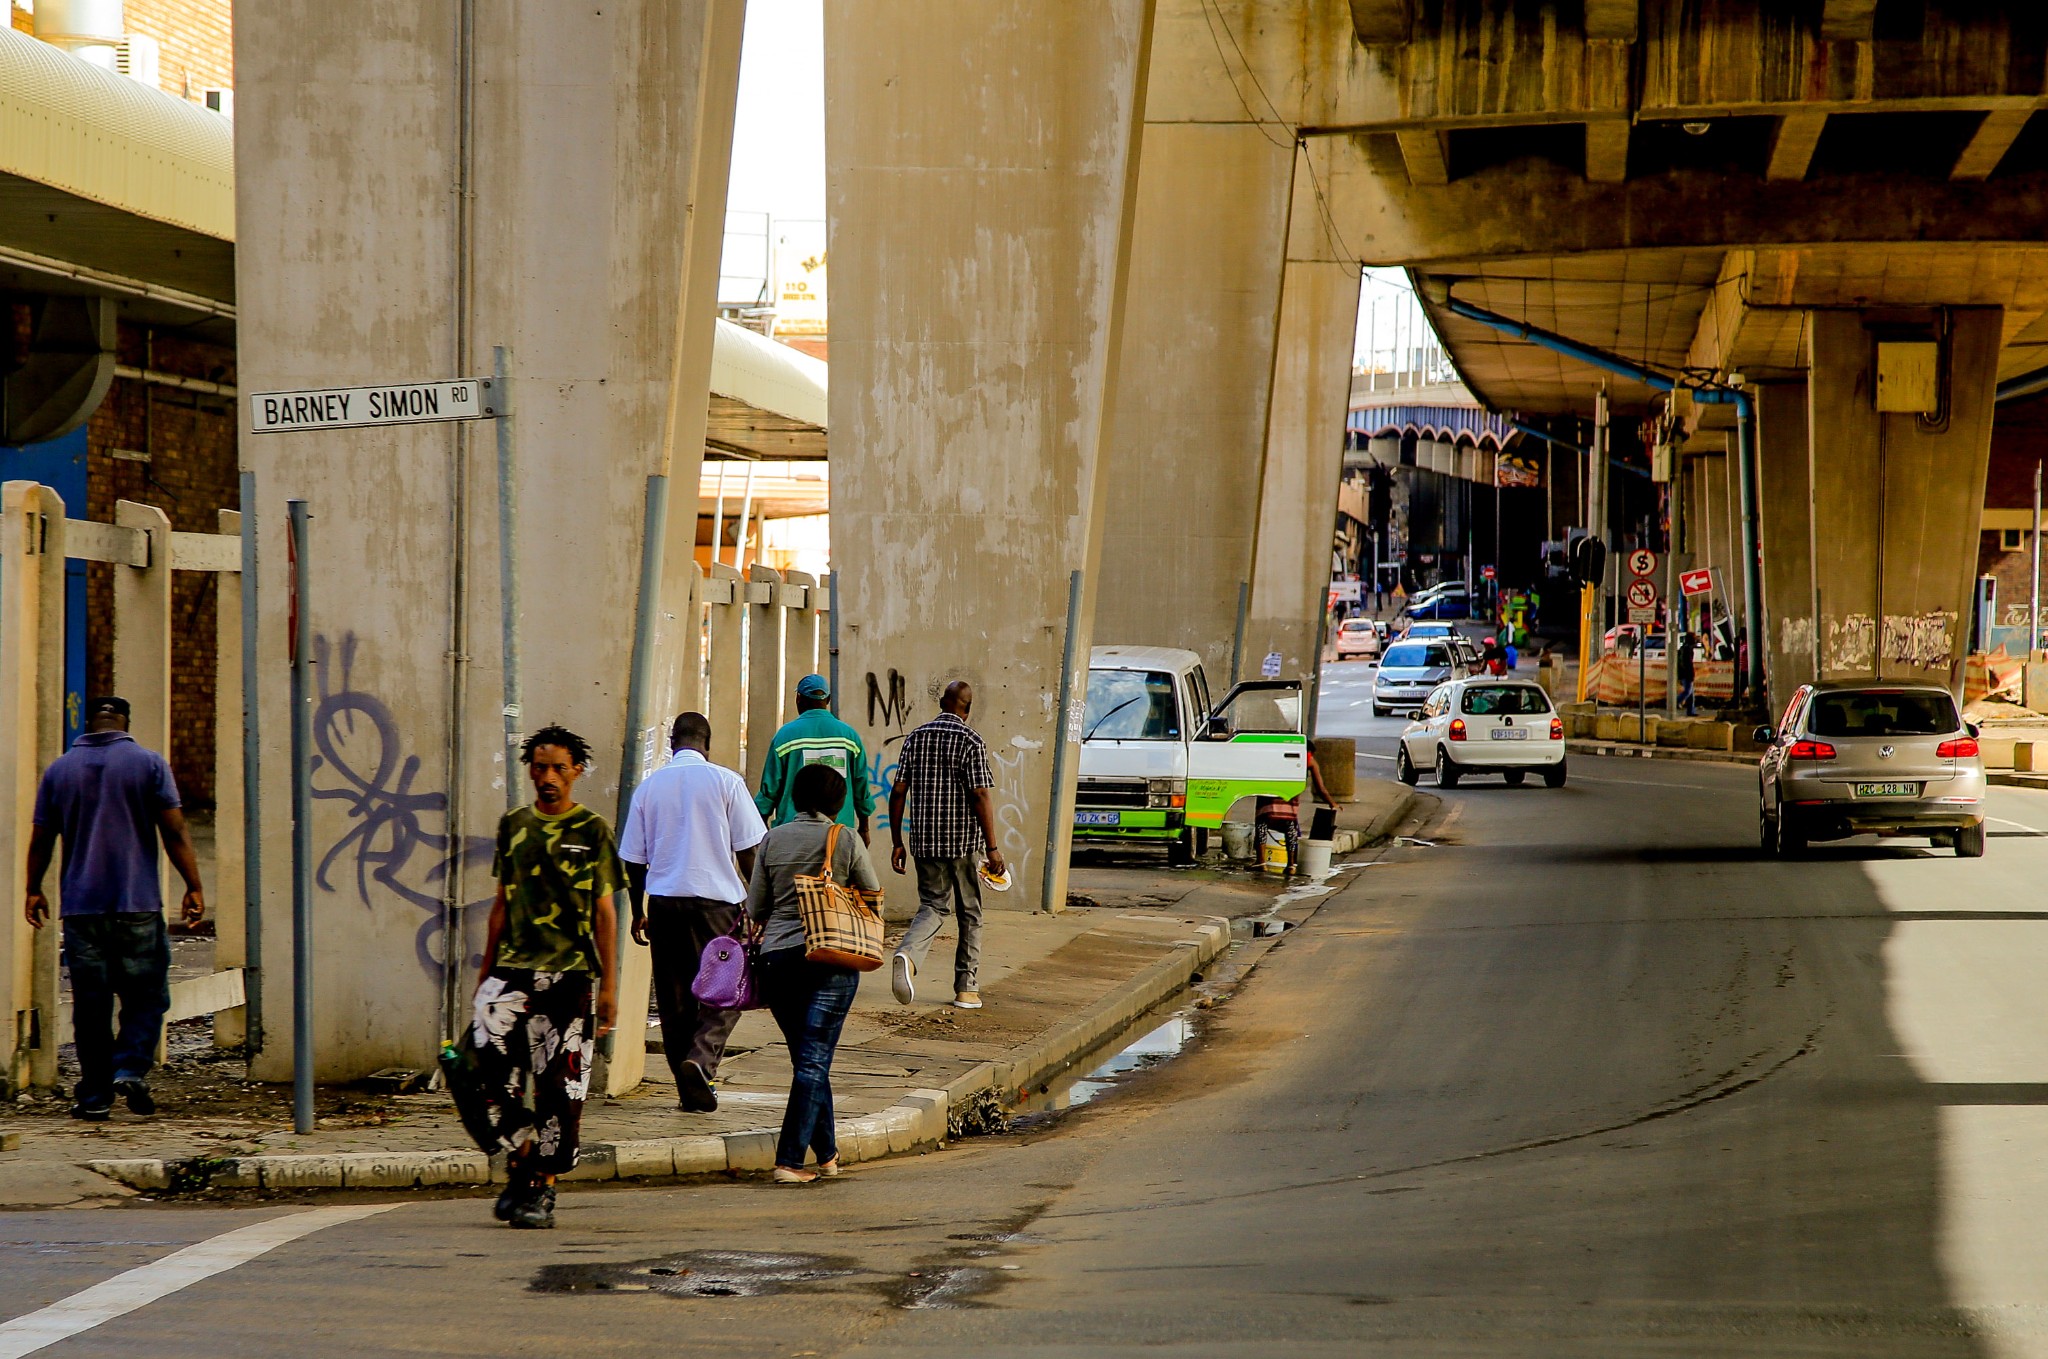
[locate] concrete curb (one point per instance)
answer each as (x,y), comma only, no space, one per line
(916,1122)
(1657,752)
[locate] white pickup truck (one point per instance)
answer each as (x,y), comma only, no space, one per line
(1161,764)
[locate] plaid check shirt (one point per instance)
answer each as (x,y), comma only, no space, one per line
(941,763)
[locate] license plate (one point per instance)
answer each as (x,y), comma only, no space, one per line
(1887,790)
(1510,733)
(1096,818)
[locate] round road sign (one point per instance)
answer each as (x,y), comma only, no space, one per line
(1642,594)
(1642,562)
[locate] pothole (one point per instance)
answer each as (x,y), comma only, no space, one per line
(696,1274)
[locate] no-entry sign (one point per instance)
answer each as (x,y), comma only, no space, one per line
(1692,583)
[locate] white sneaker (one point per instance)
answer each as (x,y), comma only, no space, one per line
(900,972)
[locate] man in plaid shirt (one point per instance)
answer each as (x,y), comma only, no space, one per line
(943,781)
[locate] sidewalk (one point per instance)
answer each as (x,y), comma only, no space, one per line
(1055,987)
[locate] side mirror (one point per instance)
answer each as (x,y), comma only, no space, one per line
(1763,735)
(1972,727)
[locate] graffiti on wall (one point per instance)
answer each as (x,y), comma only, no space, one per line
(1854,642)
(397,838)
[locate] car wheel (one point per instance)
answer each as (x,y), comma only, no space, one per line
(1378,711)
(1181,852)
(1553,777)
(1970,842)
(1791,837)
(1404,768)
(1514,778)
(1446,772)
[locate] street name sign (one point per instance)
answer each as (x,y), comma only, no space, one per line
(1642,562)
(395,403)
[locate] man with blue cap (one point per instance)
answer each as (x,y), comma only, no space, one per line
(815,736)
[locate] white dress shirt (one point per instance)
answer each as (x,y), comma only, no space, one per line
(686,822)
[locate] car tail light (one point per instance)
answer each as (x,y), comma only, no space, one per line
(1457,729)
(1810,750)
(1962,748)
(1557,729)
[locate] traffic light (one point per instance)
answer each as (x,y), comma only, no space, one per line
(1588,561)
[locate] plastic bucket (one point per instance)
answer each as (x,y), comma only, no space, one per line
(1237,841)
(1273,851)
(1315,857)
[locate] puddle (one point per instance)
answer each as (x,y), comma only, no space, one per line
(1163,1035)
(695,1274)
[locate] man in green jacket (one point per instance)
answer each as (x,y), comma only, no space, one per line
(815,736)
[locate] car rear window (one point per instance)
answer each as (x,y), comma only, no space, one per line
(1512,700)
(1355,625)
(1881,712)
(1414,656)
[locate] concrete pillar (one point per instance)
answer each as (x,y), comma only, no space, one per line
(724,591)
(1304,440)
(142,629)
(1198,352)
(1900,497)
(1386,448)
(225,889)
(981,199)
(766,699)
(801,596)
(1785,532)
(31,734)
(569,209)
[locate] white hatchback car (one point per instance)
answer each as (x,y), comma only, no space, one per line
(1484,725)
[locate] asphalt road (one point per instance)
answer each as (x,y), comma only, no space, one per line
(1583,1075)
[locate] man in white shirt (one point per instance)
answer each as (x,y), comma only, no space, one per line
(689,850)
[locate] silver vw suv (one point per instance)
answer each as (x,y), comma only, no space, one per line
(1870,759)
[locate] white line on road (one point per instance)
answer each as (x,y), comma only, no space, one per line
(2036,830)
(1368,755)
(144,1284)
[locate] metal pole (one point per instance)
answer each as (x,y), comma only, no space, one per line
(653,529)
(1603,478)
(832,635)
(1244,599)
(302,823)
(739,547)
(1066,729)
(1674,599)
(718,518)
(2034,598)
(252,792)
(508,570)
(1752,588)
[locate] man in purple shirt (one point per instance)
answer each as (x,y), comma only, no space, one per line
(109,800)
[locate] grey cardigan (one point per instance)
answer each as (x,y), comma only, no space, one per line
(793,848)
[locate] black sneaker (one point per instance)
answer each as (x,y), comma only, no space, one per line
(535,1208)
(136,1091)
(507,1201)
(693,1090)
(93,1110)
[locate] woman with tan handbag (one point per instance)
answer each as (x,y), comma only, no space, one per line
(817,903)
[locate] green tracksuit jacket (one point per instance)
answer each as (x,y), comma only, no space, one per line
(814,737)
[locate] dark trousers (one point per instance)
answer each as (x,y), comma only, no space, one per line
(810,1002)
(126,956)
(678,928)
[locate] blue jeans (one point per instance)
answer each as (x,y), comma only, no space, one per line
(810,1002)
(124,954)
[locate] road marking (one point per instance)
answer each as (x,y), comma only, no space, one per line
(1368,755)
(1648,783)
(144,1284)
(2034,830)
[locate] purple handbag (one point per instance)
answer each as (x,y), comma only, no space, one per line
(725,975)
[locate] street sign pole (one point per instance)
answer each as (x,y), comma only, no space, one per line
(302,822)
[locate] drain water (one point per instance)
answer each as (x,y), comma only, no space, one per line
(696,1274)
(1162,1036)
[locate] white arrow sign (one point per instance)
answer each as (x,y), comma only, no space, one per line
(398,403)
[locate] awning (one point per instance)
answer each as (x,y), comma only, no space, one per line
(767,400)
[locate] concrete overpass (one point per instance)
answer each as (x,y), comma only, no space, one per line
(1095,279)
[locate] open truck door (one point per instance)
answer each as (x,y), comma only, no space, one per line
(1250,745)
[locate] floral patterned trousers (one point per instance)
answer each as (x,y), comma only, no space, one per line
(530,1029)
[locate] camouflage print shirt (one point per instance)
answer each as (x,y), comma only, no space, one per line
(554,869)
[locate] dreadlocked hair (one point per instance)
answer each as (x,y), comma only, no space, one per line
(556,735)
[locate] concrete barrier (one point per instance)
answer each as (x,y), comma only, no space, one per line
(1711,736)
(1337,758)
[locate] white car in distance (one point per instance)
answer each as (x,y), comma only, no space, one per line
(1484,725)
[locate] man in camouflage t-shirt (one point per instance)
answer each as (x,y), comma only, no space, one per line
(549,988)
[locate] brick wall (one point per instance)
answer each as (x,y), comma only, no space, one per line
(191,475)
(197,41)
